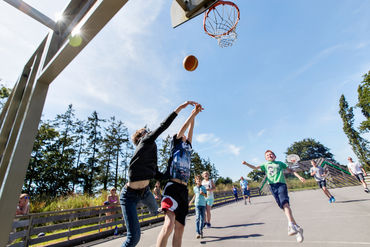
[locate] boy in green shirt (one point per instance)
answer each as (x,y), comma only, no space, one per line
(275,177)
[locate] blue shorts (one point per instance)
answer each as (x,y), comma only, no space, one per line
(210,201)
(321,183)
(246,192)
(280,193)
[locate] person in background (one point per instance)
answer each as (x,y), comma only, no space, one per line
(320,176)
(210,186)
(200,194)
(23,207)
(357,171)
(112,200)
(235,192)
(245,190)
(157,192)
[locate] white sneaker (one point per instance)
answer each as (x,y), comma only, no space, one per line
(292,230)
(299,235)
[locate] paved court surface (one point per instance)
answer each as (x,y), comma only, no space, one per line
(344,223)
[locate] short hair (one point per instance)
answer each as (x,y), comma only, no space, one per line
(199,177)
(113,189)
(23,196)
(205,172)
(137,135)
(269,151)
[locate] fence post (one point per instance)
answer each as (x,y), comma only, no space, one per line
(99,219)
(69,227)
(29,229)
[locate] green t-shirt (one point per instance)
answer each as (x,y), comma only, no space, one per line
(274,171)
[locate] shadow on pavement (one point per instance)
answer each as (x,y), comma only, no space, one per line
(359,200)
(215,239)
(241,225)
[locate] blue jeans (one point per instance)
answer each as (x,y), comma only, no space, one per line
(129,199)
(199,220)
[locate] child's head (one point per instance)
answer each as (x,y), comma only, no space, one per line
(269,155)
(241,178)
(113,191)
(350,159)
(158,184)
(24,199)
(138,135)
(205,175)
(198,180)
(313,163)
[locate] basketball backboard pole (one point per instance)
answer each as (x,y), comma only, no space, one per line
(34,13)
(184,10)
(22,112)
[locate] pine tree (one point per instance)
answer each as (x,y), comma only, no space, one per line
(94,140)
(364,102)
(359,145)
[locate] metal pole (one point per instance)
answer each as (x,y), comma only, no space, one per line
(34,13)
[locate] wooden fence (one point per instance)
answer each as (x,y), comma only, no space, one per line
(76,226)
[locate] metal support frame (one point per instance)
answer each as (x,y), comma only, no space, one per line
(21,114)
(34,13)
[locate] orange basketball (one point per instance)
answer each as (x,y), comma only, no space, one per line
(190,63)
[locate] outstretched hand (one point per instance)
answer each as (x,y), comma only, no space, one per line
(244,163)
(186,103)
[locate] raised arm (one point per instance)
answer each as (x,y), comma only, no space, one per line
(167,122)
(198,108)
(251,166)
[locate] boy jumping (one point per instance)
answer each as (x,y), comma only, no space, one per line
(275,177)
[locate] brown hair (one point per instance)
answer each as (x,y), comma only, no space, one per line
(199,177)
(137,135)
(269,151)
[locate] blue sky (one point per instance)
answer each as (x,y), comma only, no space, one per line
(279,83)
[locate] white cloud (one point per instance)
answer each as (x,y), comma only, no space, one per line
(261,132)
(203,138)
(234,149)
(215,143)
(319,56)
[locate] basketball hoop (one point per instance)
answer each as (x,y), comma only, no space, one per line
(293,158)
(220,22)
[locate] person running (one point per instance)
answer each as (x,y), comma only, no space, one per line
(235,192)
(210,186)
(245,190)
(275,177)
(175,202)
(143,167)
(318,173)
(357,171)
(200,194)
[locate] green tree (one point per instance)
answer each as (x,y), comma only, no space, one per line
(94,140)
(256,175)
(66,124)
(359,145)
(164,153)
(222,180)
(4,94)
(45,175)
(364,102)
(308,149)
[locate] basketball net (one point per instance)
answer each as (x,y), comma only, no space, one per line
(220,22)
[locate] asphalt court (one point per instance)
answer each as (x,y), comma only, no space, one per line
(343,223)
